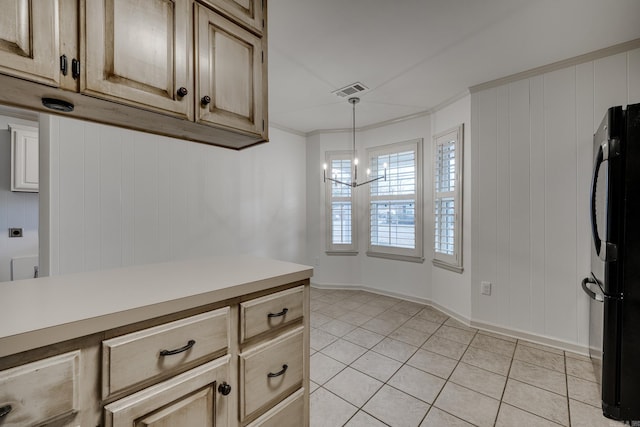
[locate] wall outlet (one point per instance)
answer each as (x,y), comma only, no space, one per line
(316,261)
(485,288)
(15,232)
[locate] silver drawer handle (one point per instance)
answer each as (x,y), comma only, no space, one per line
(190,344)
(4,411)
(277,374)
(282,313)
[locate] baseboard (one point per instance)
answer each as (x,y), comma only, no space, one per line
(532,337)
(484,326)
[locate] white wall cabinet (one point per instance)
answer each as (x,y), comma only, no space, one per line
(24,158)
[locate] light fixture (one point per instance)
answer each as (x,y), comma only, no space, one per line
(354,183)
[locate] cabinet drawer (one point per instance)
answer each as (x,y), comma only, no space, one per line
(270,370)
(270,312)
(40,392)
(189,399)
(162,350)
(288,413)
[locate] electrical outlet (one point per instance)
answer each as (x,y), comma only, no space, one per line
(316,261)
(485,288)
(15,232)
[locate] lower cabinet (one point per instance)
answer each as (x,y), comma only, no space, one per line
(242,362)
(270,371)
(195,398)
(288,413)
(42,392)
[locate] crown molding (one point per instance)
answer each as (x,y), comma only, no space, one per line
(576,60)
(401,119)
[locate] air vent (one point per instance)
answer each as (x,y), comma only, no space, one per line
(351,89)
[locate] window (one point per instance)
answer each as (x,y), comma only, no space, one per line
(395,204)
(447,206)
(341,238)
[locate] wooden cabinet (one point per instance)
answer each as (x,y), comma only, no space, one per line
(24,158)
(189,368)
(250,13)
(270,312)
(274,358)
(231,74)
(41,392)
(190,69)
(288,413)
(194,398)
(30,40)
(271,370)
(139,52)
(162,350)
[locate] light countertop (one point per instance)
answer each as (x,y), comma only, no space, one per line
(43,311)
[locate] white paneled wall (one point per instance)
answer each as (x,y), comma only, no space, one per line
(16,209)
(118,197)
(531,164)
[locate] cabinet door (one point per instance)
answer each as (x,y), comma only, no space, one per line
(189,399)
(139,52)
(29,40)
(24,158)
(248,12)
(231,73)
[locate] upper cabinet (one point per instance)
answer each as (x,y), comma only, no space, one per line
(192,69)
(30,40)
(139,52)
(231,73)
(248,12)
(24,158)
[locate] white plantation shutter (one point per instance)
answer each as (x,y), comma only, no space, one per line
(395,204)
(339,213)
(447,208)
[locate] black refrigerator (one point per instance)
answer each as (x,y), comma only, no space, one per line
(614,284)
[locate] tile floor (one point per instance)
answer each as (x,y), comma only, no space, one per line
(381,361)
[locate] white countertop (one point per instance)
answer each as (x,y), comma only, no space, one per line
(38,312)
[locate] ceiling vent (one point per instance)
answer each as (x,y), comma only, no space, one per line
(352,89)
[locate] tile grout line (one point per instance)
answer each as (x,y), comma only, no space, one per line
(428,336)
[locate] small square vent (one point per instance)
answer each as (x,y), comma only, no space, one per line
(352,89)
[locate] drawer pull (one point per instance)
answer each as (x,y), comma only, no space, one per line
(277,374)
(224,389)
(282,313)
(4,411)
(190,344)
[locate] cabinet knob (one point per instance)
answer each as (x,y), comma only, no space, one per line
(182,91)
(206,100)
(224,389)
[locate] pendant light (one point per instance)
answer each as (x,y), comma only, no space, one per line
(354,183)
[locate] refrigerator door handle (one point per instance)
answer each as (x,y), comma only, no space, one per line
(597,296)
(594,226)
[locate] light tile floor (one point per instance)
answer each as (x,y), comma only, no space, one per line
(382,361)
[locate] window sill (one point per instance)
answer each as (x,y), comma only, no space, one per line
(396,257)
(347,253)
(447,266)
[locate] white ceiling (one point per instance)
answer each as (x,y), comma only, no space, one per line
(416,54)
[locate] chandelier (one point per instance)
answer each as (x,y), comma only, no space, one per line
(354,183)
